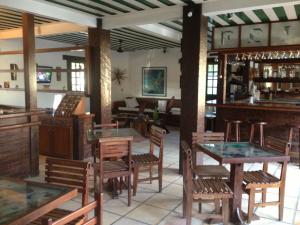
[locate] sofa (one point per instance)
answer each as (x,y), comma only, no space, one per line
(170,106)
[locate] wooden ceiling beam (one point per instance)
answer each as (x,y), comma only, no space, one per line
(50,10)
(45,29)
(231,6)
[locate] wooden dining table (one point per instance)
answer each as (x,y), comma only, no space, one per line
(93,136)
(236,154)
(22,202)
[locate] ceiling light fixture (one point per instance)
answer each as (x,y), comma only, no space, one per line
(229,16)
(120,49)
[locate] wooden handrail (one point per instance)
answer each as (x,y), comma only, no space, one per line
(19,126)
(14,115)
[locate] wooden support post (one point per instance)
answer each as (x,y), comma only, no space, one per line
(30,87)
(221,90)
(193,69)
(99,67)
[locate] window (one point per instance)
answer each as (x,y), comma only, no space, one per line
(211,82)
(76,79)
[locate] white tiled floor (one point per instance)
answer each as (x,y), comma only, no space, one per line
(151,207)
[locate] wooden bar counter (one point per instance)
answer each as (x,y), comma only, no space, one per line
(279,117)
(16,156)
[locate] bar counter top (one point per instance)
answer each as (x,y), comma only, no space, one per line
(13,112)
(262,105)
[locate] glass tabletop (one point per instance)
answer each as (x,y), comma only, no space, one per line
(239,150)
(96,134)
(18,198)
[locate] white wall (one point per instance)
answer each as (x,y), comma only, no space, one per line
(17,98)
(146,58)
(132,62)
(121,61)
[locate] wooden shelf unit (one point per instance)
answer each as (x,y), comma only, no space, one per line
(44,90)
(277,80)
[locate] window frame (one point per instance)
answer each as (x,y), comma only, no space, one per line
(70,60)
(214,80)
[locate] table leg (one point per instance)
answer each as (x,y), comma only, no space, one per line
(236,179)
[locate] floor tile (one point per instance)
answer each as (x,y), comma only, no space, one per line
(164,201)
(120,206)
(127,221)
(109,218)
(148,214)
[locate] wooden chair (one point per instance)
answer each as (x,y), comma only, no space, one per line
(199,189)
(148,160)
(79,213)
(211,171)
(114,161)
(102,126)
(70,173)
(258,181)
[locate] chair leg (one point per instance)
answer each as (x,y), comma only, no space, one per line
(228,132)
(217,205)
(121,185)
(225,210)
(129,190)
(135,179)
(251,205)
(237,133)
(251,133)
(261,135)
(264,195)
(188,208)
(160,174)
(184,204)
(281,202)
(150,173)
(200,207)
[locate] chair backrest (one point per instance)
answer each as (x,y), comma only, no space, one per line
(157,135)
(106,125)
(96,219)
(207,137)
(278,145)
(71,173)
(115,147)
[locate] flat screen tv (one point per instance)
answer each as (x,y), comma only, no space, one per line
(42,75)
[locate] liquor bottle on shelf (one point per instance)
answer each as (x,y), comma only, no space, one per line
(283,72)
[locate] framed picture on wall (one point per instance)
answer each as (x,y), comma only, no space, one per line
(285,33)
(255,35)
(154,81)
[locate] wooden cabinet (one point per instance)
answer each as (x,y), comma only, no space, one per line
(56,137)
(64,134)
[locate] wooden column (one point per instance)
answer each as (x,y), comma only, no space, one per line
(30,87)
(221,92)
(99,67)
(193,69)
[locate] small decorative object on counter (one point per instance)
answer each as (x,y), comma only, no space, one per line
(6,84)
